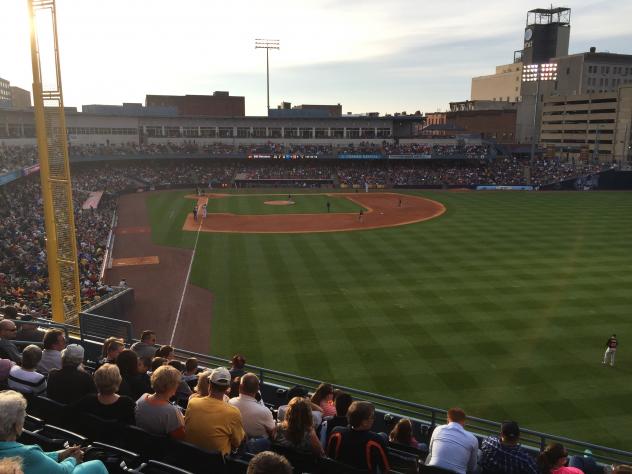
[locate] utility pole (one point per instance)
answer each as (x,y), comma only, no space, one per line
(267,44)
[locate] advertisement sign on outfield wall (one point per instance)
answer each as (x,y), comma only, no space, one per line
(504,188)
(416,156)
(359,156)
(281,156)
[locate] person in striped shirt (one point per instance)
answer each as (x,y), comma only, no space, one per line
(23,378)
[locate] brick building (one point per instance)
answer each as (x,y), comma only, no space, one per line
(498,125)
(220,104)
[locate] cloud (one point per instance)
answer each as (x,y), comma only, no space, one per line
(369,55)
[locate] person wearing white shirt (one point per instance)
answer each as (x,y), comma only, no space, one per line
(54,343)
(451,447)
(256,417)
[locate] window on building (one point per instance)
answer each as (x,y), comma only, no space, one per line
(306,132)
(190,132)
(173,132)
(153,131)
(208,132)
(225,132)
(353,133)
(290,132)
(243,132)
(259,132)
(274,132)
(338,132)
(321,132)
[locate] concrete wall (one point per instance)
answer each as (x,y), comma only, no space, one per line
(505,83)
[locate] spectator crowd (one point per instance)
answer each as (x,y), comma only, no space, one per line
(223,410)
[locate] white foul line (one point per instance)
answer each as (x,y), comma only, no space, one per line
(186,282)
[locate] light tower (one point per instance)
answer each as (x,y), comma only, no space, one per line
(50,122)
(267,44)
(538,73)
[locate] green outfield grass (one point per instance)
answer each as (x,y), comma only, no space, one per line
(502,305)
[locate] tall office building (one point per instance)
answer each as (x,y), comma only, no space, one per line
(5,93)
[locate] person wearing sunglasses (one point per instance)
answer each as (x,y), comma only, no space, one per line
(8,349)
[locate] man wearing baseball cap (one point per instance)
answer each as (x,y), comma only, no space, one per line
(503,454)
(210,422)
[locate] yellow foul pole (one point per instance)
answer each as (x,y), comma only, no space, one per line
(61,243)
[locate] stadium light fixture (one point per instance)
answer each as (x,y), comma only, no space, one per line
(537,73)
(267,44)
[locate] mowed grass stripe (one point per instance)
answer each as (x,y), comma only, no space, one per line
(364,325)
(331,308)
(294,321)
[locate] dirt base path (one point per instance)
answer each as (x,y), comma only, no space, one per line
(383,210)
(158,287)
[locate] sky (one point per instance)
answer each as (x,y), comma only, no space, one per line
(368,55)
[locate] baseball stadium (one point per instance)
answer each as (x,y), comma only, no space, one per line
(423,270)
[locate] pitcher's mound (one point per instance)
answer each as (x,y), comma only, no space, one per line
(279,203)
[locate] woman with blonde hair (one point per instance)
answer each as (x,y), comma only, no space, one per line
(297,430)
(107,403)
(154,413)
(202,387)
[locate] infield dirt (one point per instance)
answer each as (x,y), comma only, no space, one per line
(383,210)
